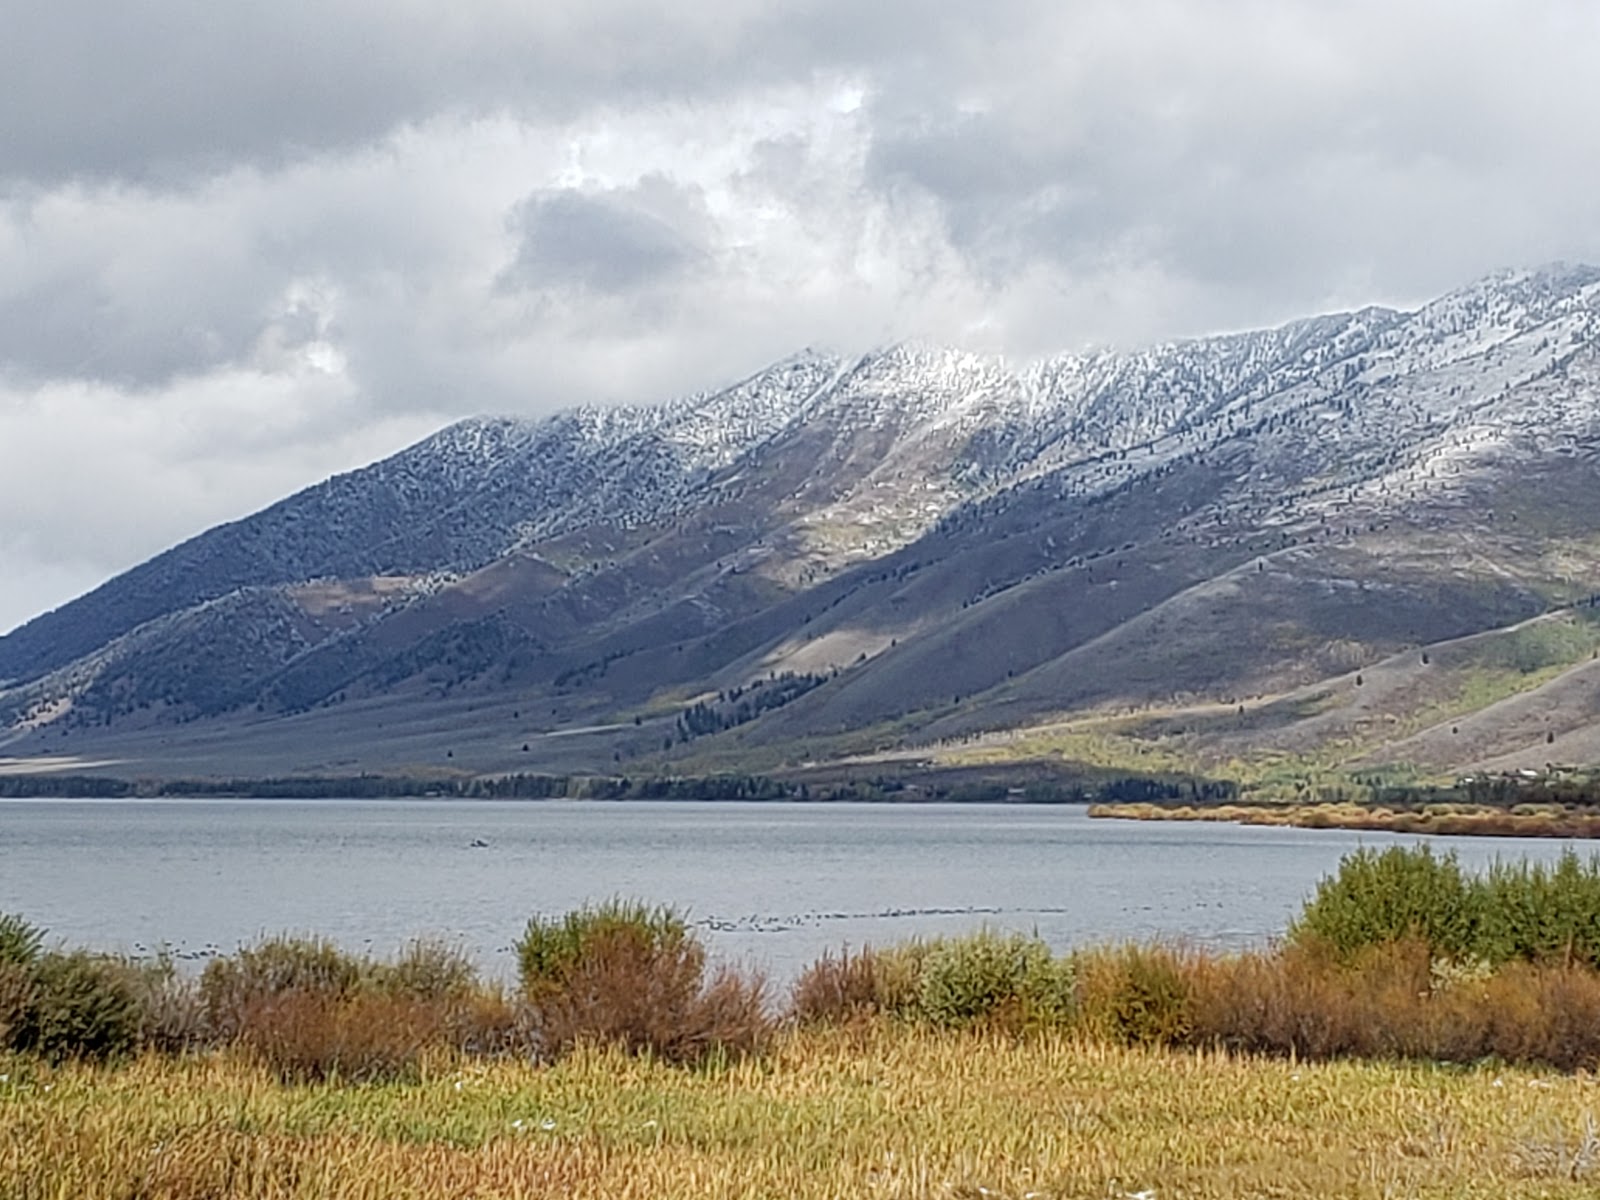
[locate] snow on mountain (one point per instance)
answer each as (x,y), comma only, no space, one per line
(829,461)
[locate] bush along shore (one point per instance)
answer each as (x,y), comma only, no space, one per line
(265,1071)
(1400,953)
(1552,804)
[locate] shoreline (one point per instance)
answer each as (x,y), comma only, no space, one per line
(1448,820)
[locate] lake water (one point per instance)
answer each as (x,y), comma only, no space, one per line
(772,884)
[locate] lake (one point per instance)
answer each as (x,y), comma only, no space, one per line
(771,884)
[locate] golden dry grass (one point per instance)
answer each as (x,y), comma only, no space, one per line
(1463,821)
(876,1110)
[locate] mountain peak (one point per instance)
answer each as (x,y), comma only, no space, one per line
(1224,516)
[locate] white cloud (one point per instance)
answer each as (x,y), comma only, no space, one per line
(94,480)
(239,252)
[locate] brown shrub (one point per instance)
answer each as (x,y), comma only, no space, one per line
(488,1023)
(650,998)
(1544,1015)
(16,999)
(837,989)
(305,1036)
(1304,1001)
(1138,995)
(1390,1003)
(233,989)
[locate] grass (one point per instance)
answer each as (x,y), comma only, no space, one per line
(1281,760)
(883,1109)
(1097,741)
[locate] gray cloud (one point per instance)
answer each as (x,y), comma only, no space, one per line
(614,241)
(241,249)
(1292,152)
(166,91)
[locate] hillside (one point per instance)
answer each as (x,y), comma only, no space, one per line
(1361,540)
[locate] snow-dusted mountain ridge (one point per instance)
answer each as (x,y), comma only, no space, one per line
(757,527)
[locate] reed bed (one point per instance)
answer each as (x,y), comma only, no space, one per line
(880,1109)
(1454,820)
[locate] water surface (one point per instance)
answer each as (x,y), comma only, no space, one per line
(776,884)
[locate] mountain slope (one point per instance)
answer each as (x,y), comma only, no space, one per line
(916,545)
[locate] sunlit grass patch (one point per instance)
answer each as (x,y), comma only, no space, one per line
(886,1109)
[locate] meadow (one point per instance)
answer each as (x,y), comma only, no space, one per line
(885,1109)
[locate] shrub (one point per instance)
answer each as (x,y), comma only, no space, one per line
(837,988)
(489,1023)
(1139,995)
(1395,894)
(1542,914)
(647,998)
(1533,913)
(1543,1015)
(1310,1001)
(990,975)
(430,969)
(231,988)
(82,1006)
(550,949)
(305,1036)
(897,976)
(16,999)
(1392,1001)
(20,942)
(172,1015)
(633,976)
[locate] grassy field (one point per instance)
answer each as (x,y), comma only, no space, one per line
(882,1109)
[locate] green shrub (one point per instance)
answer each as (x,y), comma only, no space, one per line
(429,969)
(1519,912)
(897,976)
(82,1006)
(993,975)
(1541,914)
(20,942)
(1398,893)
(627,974)
(550,949)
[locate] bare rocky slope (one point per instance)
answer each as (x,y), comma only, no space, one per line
(1215,550)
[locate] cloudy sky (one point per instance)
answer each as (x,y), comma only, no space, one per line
(243,247)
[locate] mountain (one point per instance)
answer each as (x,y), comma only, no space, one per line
(1363,540)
